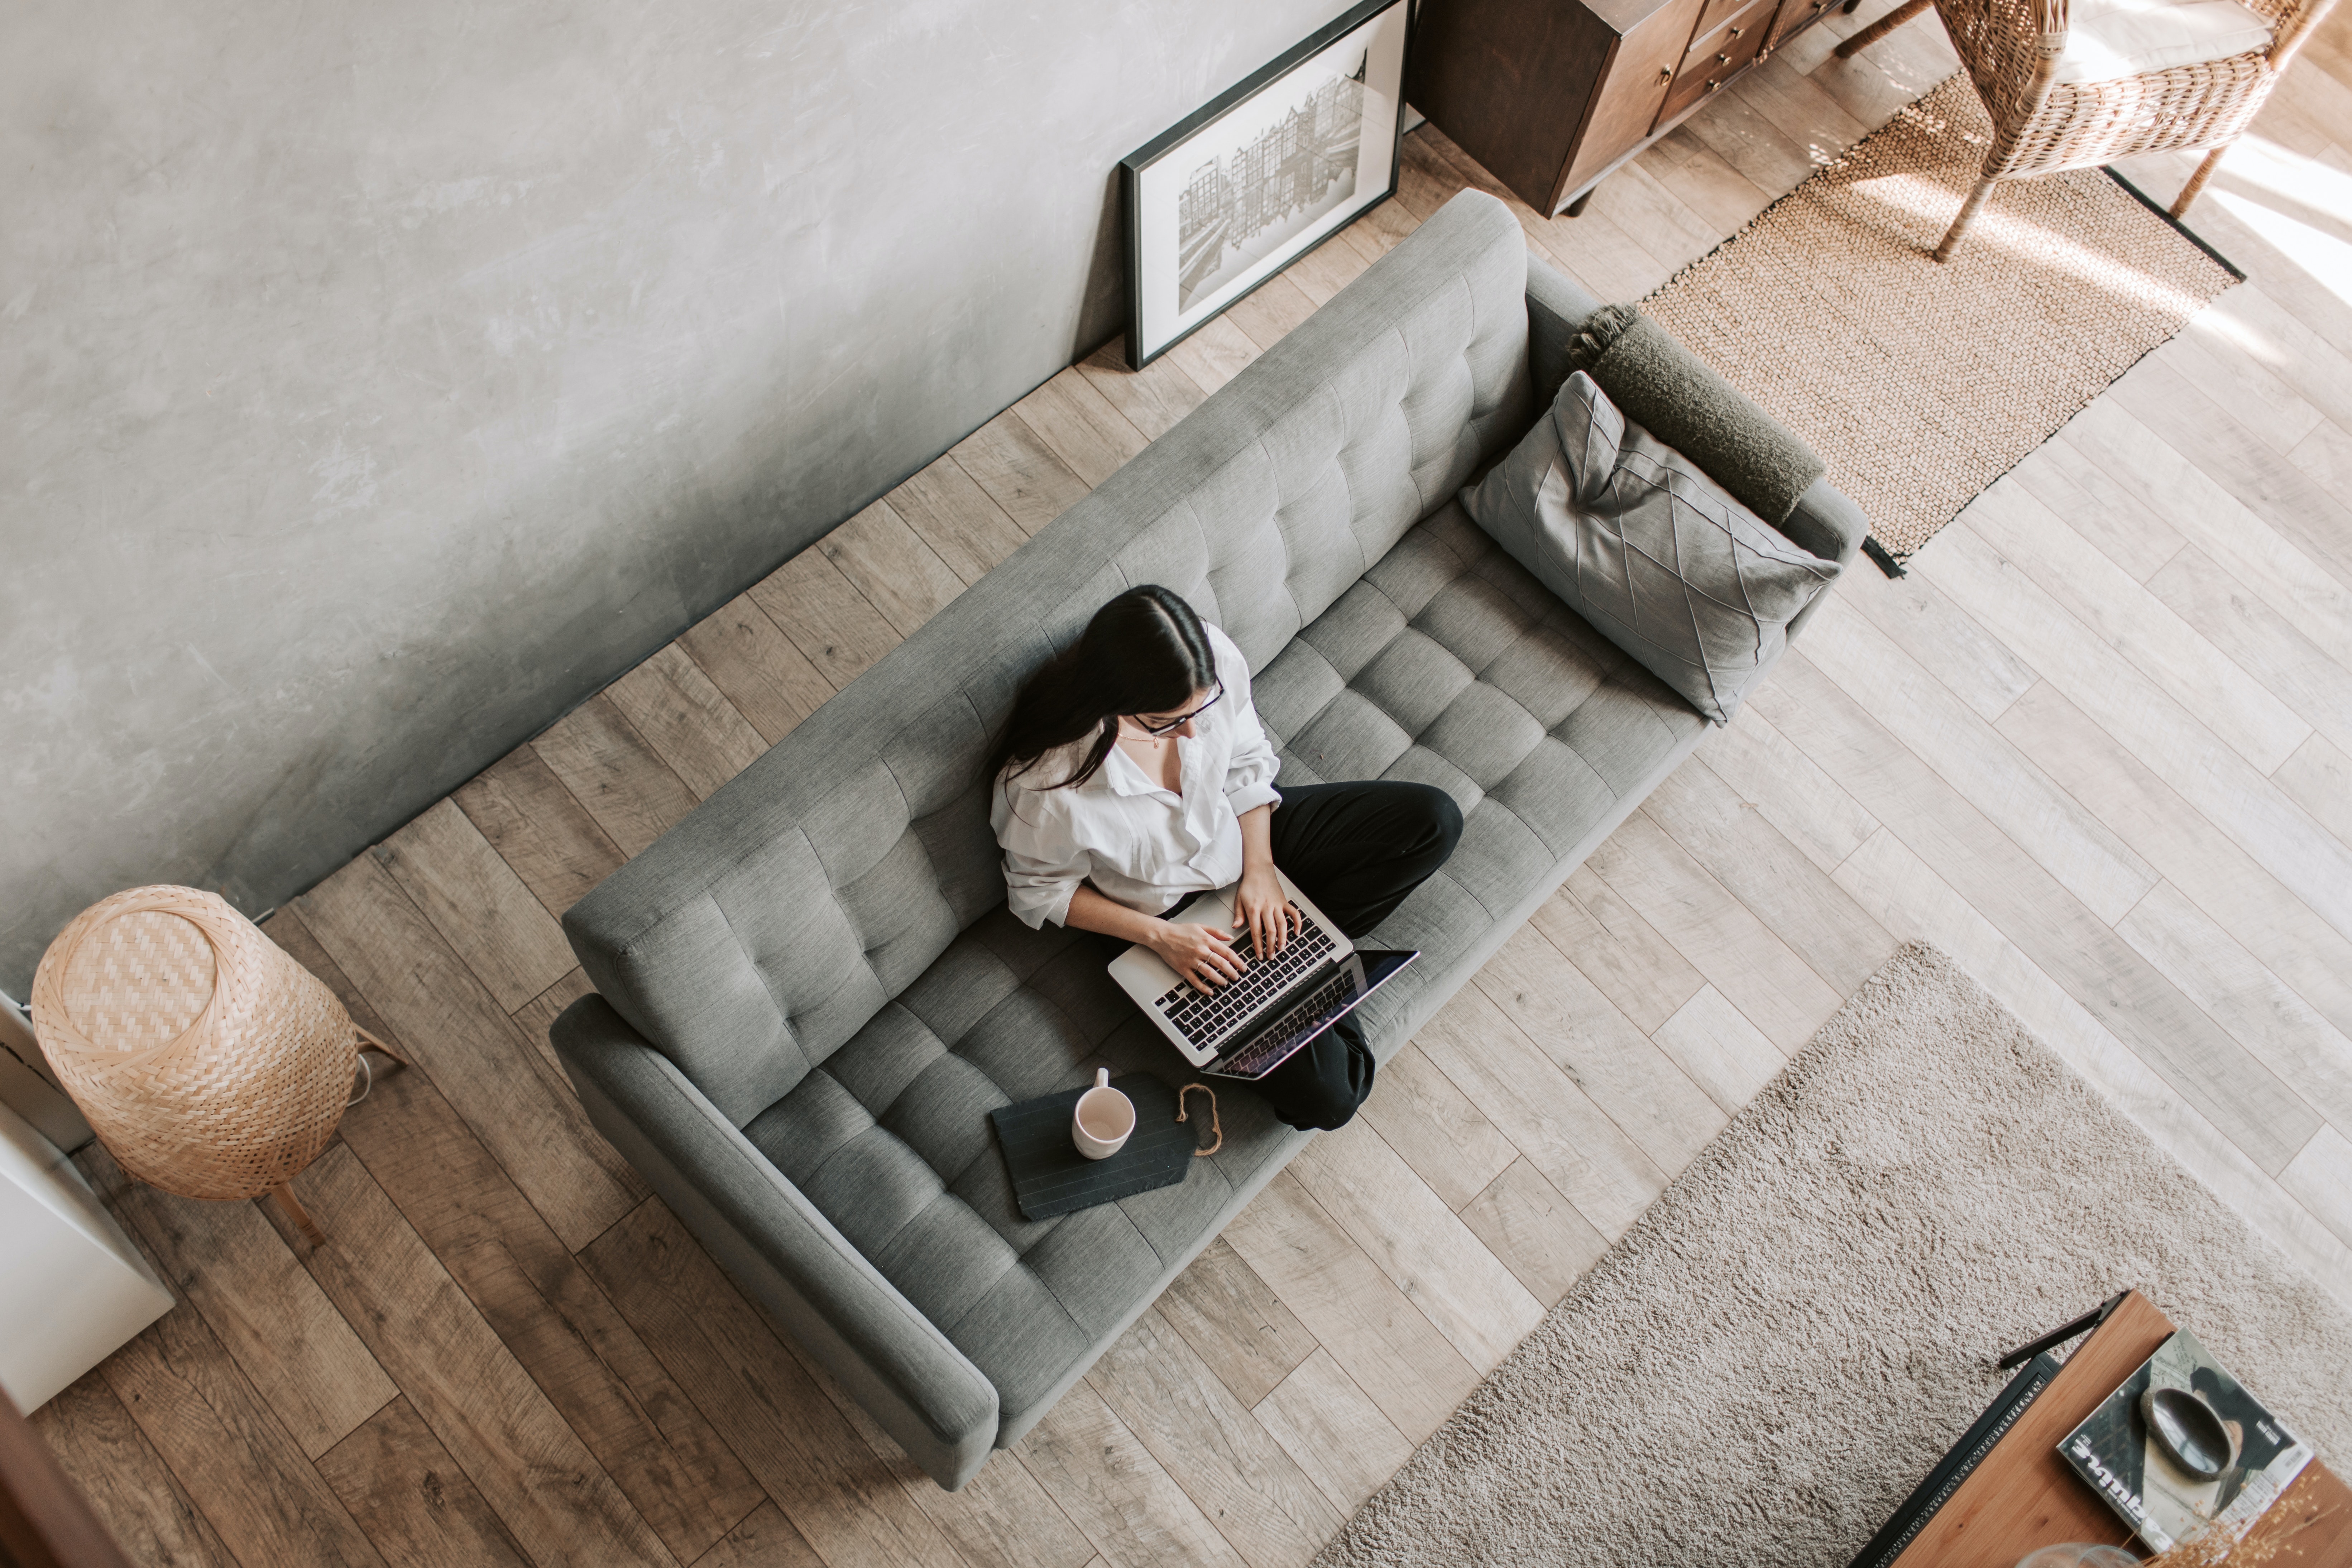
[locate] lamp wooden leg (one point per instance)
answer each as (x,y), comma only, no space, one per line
(2196,185)
(1880,28)
(1969,210)
(369,1042)
(291,1207)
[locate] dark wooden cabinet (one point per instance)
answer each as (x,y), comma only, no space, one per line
(1716,54)
(1797,15)
(1551,95)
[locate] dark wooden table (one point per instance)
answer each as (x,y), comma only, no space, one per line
(2024,1495)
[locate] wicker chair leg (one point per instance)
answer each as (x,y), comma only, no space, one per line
(291,1207)
(1880,28)
(2196,185)
(1969,210)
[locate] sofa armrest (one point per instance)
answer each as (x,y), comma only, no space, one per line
(1825,522)
(1831,526)
(1828,522)
(1556,307)
(940,1406)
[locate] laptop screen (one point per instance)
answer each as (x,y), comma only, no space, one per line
(1318,1011)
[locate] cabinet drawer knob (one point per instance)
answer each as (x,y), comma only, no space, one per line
(1723,59)
(1712,84)
(1737,31)
(1666,73)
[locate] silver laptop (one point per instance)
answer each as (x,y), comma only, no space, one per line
(1249,1027)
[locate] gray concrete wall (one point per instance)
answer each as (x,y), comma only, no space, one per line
(377,380)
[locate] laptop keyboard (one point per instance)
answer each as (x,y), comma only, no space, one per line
(1206,1019)
(1275,1043)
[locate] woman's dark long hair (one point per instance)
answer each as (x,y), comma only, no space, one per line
(1144,652)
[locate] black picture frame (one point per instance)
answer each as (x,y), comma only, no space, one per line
(1152,327)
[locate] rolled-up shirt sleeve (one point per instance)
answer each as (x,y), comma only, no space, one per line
(1042,861)
(1250,770)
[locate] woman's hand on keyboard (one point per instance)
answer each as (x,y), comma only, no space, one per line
(1201,955)
(1258,904)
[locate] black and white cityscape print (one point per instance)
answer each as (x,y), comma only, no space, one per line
(1238,208)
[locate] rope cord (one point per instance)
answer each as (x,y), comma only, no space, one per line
(1215,1126)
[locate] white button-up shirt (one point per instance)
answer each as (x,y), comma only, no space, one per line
(1137,844)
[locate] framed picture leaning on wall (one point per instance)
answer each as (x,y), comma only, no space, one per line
(1253,181)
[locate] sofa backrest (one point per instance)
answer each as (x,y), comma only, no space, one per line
(761,932)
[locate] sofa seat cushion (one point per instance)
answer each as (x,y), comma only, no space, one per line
(889,1138)
(1449,664)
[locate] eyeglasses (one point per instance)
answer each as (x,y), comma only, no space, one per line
(1182,719)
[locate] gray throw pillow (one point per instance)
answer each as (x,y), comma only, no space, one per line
(1644,545)
(1679,398)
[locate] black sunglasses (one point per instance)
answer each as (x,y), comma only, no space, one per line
(1182,719)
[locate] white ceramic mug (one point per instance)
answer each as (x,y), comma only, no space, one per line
(1103,1118)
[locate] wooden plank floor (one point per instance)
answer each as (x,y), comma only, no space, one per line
(2098,745)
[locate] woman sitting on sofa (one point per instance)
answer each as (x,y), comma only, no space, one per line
(1134,774)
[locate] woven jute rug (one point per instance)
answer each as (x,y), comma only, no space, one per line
(1764,1366)
(1922,383)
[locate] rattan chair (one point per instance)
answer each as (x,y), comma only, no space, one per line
(2013,50)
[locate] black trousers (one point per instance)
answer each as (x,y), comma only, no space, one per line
(1354,850)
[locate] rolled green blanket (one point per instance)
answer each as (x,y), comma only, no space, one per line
(1671,392)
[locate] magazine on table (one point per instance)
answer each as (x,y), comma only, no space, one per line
(2113,1452)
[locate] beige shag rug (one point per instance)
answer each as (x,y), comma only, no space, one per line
(1792,1335)
(1922,383)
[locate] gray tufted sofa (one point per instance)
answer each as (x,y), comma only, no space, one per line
(810,993)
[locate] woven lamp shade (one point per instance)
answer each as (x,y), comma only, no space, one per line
(210,1063)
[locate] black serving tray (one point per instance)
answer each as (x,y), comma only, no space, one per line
(1051,1177)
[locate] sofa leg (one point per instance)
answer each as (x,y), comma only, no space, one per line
(2196,185)
(1969,210)
(1880,28)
